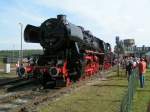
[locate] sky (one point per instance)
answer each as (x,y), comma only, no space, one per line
(106,19)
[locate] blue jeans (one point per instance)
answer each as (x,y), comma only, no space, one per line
(141,80)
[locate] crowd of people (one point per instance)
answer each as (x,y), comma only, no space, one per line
(131,63)
(128,63)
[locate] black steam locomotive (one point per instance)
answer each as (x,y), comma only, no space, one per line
(70,52)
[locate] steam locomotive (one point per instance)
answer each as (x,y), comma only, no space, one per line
(69,52)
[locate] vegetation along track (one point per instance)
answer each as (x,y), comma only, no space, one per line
(27,98)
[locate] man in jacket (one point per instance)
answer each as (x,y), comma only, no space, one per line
(142,70)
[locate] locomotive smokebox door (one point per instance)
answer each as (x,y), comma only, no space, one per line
(32,34)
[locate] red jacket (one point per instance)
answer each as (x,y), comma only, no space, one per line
(142,67)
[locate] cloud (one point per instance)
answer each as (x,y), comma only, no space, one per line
(109,18)
(10,16)
(104,18)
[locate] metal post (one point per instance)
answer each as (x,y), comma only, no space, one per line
(135,51)
(117,44)
(118,60)
(13,50)
(21,53)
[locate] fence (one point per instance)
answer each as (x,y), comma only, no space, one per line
(127,99)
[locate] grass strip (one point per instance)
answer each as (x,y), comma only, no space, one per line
(102,96)
(142,96)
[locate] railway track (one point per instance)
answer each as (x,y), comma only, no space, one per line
(16,93)
(18,101)
(15,84)
(32,96)
(54,94)
(11,81)
(19,85)
(13,101)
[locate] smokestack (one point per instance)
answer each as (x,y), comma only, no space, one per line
(61,18)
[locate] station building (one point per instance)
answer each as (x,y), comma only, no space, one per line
(129,48)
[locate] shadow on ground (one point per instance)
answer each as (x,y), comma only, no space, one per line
(107,85)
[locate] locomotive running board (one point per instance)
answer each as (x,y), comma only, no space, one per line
(93,52)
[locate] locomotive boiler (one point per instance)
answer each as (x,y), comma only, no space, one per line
(70,51)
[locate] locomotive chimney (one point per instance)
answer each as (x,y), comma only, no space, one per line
(61,18)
